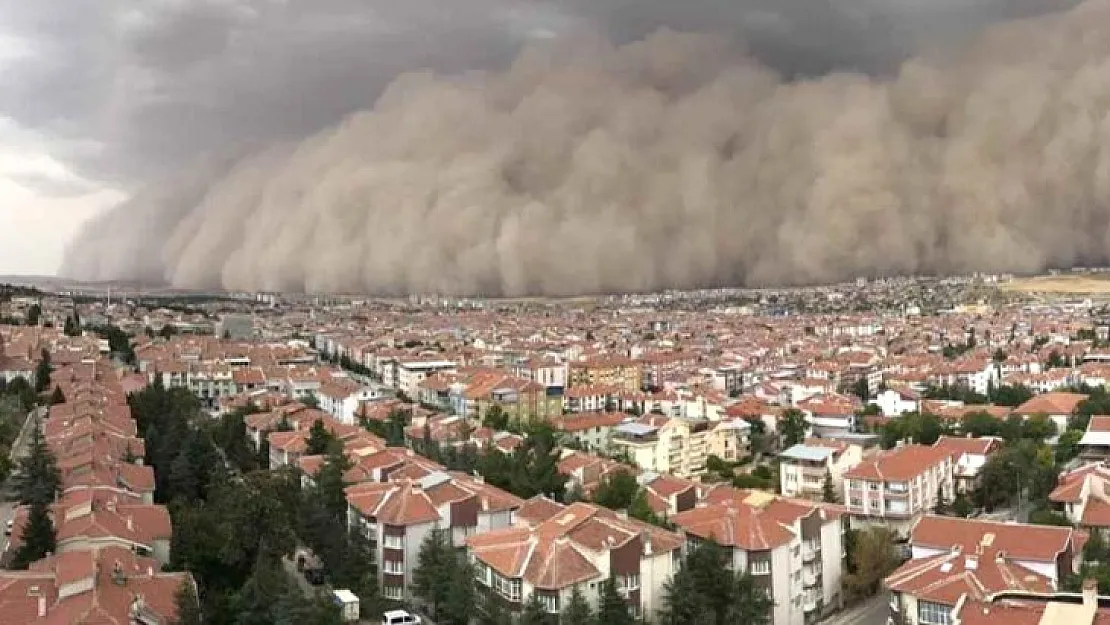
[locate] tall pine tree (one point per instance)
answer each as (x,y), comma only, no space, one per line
(613,609)
(38,537)
(435,567)
(577,610)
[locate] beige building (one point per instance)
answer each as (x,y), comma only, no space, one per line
(803,467)
(897,487)
(677,446)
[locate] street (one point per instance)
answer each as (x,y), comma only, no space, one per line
(7,489)
(872,612)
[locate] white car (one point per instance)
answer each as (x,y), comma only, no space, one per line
(399,617)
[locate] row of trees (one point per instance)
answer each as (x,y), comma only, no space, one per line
(233,524)
(39,483)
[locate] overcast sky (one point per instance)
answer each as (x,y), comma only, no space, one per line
(100,97)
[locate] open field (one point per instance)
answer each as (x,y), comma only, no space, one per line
(1083,284)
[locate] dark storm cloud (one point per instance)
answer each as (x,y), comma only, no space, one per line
(789,141)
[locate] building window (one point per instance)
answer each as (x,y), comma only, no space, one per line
(393,567)
(393,542)
(550,603)
(508,588)
(761,567)
(629,582)
(392,592)
(933,613)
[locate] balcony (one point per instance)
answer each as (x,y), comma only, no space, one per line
(809,553)
(809,578)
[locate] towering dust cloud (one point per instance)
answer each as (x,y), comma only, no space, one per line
(672,162)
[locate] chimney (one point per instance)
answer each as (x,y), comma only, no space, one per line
(1090,593)
(130,523)
(646,538)
(111,505)
(42,606)
(623,514)
(117,574)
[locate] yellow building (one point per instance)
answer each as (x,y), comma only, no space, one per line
(678,446)
(624,373)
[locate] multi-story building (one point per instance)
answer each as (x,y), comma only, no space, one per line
(592,431)
(665,445)
(971,455)
(1095,444)
(953,558)
(410,373)
(397,516)
(794,550)
(554,549)
(623,373)
(341,398)
(898,486)
(1084,497)
(803,468)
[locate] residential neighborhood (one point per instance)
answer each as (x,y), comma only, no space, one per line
(485,462)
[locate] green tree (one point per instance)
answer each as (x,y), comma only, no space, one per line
(828,489)
(492,612)
(705,590)
(461,598)
(40,479)
(311,401)
(616,490)
(38,536)
(34,315)
(577,610)
(962,506)
(535,613)
(750,604)
(980,423)
(1067,446)
(431,580)
(874,558)
(168,330)
(496,419)
(320,440)
(793,427)
(187,605)
(42,372)
(612,609)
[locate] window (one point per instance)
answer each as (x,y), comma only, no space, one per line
(550,603)
(796,550)
(896,487)
(508,588)
(392,592)
(393,567)
(856,502)
(761,567)
(933,613)
(393,542)
(629,582)
(873,486)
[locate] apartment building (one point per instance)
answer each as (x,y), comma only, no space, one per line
(554,549)
(1058,406)
(410,373)
(971,455)
(342,398)
(1083,495)
(109,585)
(1095,444)
(1014,607)
(591,431)
(898,486)
(952,558)
(804,467)
(96,518)
(397,516)
(793,549)
(623,373)
(665,445)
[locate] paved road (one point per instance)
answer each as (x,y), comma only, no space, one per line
(874,612)
(7,488)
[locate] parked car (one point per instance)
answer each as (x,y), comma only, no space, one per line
(8,527)
(399,617)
